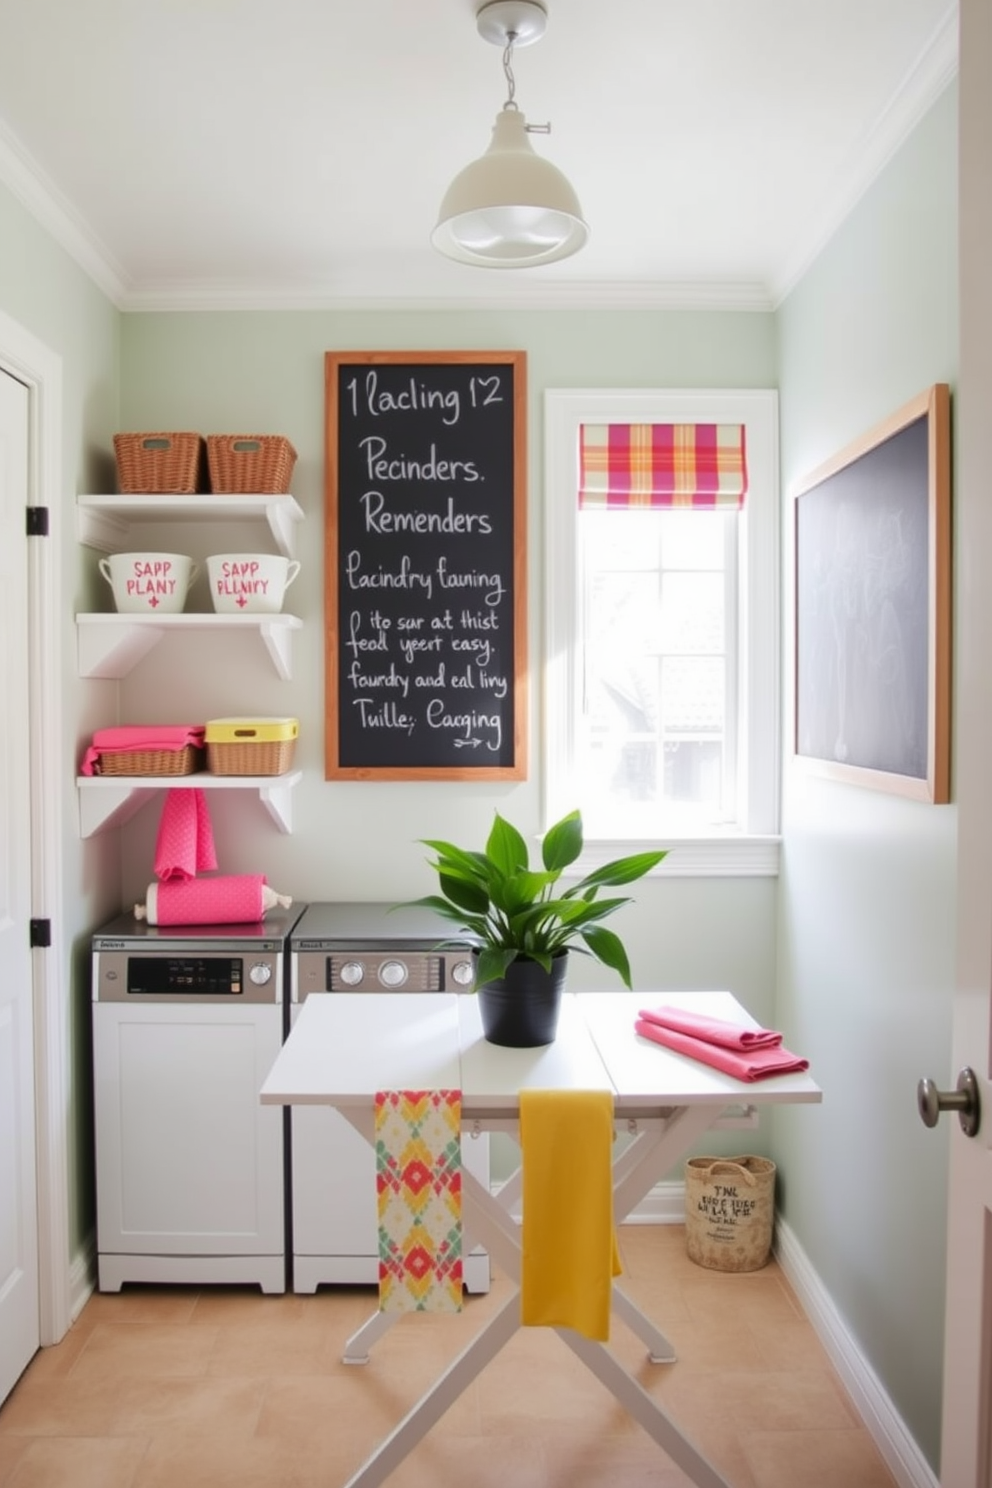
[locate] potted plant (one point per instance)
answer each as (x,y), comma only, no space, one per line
(524,926)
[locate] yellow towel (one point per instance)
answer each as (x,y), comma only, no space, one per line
(569,1244)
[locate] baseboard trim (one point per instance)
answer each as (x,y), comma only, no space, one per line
(82,1275)
(882,1421)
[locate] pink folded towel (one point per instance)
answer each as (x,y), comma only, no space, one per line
(129,737)
(185,844)
(713,1030)
(751,1064)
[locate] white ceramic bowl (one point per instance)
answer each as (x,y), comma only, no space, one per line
(249,583)
(149,583)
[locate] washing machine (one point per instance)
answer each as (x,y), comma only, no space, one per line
(190,1167)
(361,947)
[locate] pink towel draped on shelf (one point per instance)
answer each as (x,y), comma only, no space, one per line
(126,738)
(745,1053)
(185,844)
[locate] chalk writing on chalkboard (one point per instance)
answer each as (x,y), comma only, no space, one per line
(425,645)
(872,595)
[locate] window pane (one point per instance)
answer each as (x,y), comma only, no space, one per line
(655,649)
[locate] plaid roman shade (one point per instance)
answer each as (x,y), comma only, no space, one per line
(701,466)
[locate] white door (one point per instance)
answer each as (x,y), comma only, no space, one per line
(19,1325)
(966,1456)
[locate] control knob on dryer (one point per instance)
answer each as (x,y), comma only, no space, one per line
(260,973)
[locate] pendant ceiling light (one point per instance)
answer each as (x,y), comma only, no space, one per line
(510,209)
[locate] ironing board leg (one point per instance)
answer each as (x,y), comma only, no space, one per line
(639,1404)
(660,1350)
(356,1350)
(429,1410)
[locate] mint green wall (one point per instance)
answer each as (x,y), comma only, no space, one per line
(234,372)
(867,888)
(49,296)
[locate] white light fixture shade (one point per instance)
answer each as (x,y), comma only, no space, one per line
(510,209)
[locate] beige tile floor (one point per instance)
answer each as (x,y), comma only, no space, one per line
(186,1387)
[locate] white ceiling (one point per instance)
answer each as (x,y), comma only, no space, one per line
(294,152)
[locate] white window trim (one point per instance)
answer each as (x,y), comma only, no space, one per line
(754,848)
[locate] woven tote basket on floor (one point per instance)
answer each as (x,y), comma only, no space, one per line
(729,1211)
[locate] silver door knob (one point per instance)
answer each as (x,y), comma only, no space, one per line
(965,1100)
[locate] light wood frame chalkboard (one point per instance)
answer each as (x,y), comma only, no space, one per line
(425,637)
(873,607)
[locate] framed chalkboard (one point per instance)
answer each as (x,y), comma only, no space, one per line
(426,565)
(872,612)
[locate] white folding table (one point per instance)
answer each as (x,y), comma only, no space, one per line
(344,1047)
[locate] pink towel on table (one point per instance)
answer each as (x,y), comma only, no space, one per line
(231,899)
(713,1030)
(185,845)
(750,1064)
(126,738)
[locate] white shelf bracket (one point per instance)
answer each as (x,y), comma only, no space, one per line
(279,644)
(111,650)
(278,802)
(110,806)
(282,526)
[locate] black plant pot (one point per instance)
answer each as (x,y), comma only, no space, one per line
(520,1011)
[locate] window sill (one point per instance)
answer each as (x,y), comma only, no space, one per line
(734,855)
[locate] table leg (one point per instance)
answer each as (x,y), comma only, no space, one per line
(432,1406)
(356,1350)
(639,1404)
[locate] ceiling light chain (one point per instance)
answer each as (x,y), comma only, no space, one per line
(511,87)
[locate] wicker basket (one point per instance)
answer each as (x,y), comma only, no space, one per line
(184,761)
(271,758)
(161,464)
(729,1212)
(250,462)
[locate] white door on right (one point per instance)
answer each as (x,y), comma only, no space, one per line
(19,1315)
(966,1452)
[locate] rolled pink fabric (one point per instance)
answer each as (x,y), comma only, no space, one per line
(713,1030)
(230,899)
(754,1064)
(185,843)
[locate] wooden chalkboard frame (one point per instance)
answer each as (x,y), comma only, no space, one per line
(855,477)
(514,509)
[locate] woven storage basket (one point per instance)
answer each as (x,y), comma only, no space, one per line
(250,462)
(251,746)
(729,1210)
(184,761)
(161,464)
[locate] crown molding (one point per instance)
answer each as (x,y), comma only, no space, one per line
(25,179)
(926,80)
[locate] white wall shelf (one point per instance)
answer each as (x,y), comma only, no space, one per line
(108,522)
(109,645)
(111,800)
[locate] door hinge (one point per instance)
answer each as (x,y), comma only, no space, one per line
(41,933)
(37,521)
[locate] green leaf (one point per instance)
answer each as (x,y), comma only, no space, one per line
(466,895)
(506,848)
(608,948)
(519,890)
(624,870)
(562,843)
(492,964)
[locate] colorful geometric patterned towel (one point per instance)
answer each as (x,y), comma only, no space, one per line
(419,1186)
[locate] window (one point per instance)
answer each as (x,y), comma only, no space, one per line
(662,682)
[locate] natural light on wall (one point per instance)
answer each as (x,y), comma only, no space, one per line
(661,695)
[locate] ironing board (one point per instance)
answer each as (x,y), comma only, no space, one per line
(345,1047)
